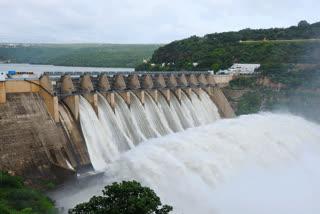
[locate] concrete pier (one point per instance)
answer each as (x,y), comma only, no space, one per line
(47,94)
(104,84)
(72,101)
(153,94)
(140,95)
(2,92)
(87,87)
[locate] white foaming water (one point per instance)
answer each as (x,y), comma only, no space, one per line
(144,122)
(109,120)
(124,127)
(157,116)
(124,116)
(204,104)
(100,146)
(182,112)
(265,163)
(185,101)
(170,114)
(69,165)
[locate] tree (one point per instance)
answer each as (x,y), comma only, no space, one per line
(128,197)
(303,23)
(215,67)
(17,199)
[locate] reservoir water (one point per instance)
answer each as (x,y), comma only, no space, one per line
(39,69)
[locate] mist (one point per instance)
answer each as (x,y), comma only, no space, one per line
(262,163)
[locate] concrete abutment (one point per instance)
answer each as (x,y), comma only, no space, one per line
(153,94)
(2,92)
(224,107)
(88,92)
(140,95)
(49,98)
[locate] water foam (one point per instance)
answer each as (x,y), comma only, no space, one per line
(124,127)
(265,163)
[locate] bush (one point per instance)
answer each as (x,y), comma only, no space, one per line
(128,197)
(50,186)
(7,181)
(16,199)
(241,82)
(249,104)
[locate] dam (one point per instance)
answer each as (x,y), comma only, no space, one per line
(65,123)
(162,129)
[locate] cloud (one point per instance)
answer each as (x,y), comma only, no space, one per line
(142,21)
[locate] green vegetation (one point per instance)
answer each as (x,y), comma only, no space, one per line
(291,75)
(301,92)
(242,82)
(128,197)
(289,59)
(97,55)
(220,50)
(294,88)
(16,199)
(50,185)
(249,104)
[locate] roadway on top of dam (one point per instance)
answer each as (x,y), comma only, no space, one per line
(126,83)
(121,81)
(124,73)
(76,74)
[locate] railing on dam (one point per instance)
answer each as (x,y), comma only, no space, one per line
(124,73)
(109,82)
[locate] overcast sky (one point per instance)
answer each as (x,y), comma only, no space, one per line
(143,21)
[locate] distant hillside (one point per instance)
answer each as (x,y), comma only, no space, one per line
(97,55)
(220,50)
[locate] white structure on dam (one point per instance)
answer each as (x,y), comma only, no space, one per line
(238,68)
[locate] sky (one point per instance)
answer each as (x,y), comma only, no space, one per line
(143,21)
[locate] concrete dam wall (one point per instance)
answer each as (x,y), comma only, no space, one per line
(42,134)
(32,144)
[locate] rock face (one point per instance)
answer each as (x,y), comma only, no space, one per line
(32,145)
(266,82)
(234,94)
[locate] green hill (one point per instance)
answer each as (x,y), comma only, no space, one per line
(97,55)
(220,50)
(289,58)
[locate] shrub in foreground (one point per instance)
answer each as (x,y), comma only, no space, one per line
(16,199)
(128,197)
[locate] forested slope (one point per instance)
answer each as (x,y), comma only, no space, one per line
(97,55)
(220,50)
